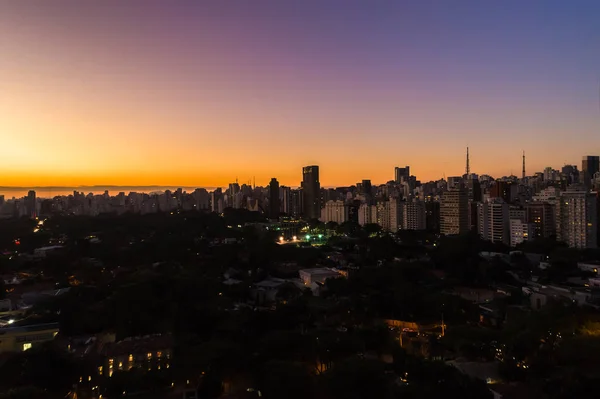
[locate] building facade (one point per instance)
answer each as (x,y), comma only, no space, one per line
(454,212)
(520,232)
(414,215)
(311,189)
(577,218)
(334,211)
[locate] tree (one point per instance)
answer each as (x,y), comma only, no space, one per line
(372,229)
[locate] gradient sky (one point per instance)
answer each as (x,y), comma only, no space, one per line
(195,93)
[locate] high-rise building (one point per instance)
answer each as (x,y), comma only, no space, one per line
(394,211)
(381,215)
(367,190)
(520,232)
(454,212)
(494,221)
(577,218)
(414,215)
(285,199)
(590,164)
(365,214)
(217,201)
(454,181)
(401,174)
(201,199)
(296,203)
(31,204)
(432,216)
(311,188)
(334,211)
(274,203)
(570,173)
(541,216)
(505,190)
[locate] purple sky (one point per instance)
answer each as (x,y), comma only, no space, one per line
(199,92)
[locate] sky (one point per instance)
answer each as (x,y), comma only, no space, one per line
(199,93)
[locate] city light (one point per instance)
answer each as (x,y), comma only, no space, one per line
(281,238)
(294,238)
(308,236)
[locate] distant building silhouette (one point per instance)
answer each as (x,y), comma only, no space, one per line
(274,202)
(311,189)
(401,174)
(31,204)
(589,166)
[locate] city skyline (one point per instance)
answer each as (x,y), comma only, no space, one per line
(251,181)
(193,94)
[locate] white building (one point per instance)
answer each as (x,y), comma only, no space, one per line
(493,220)
(394,211)
(334,211)
(520,232)
(550,195)
(364,214)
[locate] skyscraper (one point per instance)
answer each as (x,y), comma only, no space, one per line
(31,204)
(589,165)
(577,218)
(454,212)
(296,203)
(274,199)
(401,174)
(311,188)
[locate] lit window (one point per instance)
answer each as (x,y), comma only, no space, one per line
(26,346)
(100,370)
(130,358)
(149,355)
(159,354)
(110,373)
(120,365)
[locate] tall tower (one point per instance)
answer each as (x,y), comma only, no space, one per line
(311,188)
(274,202)
(523,173)
(468,168)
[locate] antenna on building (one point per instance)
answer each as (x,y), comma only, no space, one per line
(523,175)
(468,169)
(254,184)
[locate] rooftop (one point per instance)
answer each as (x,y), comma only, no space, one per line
(148,343)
